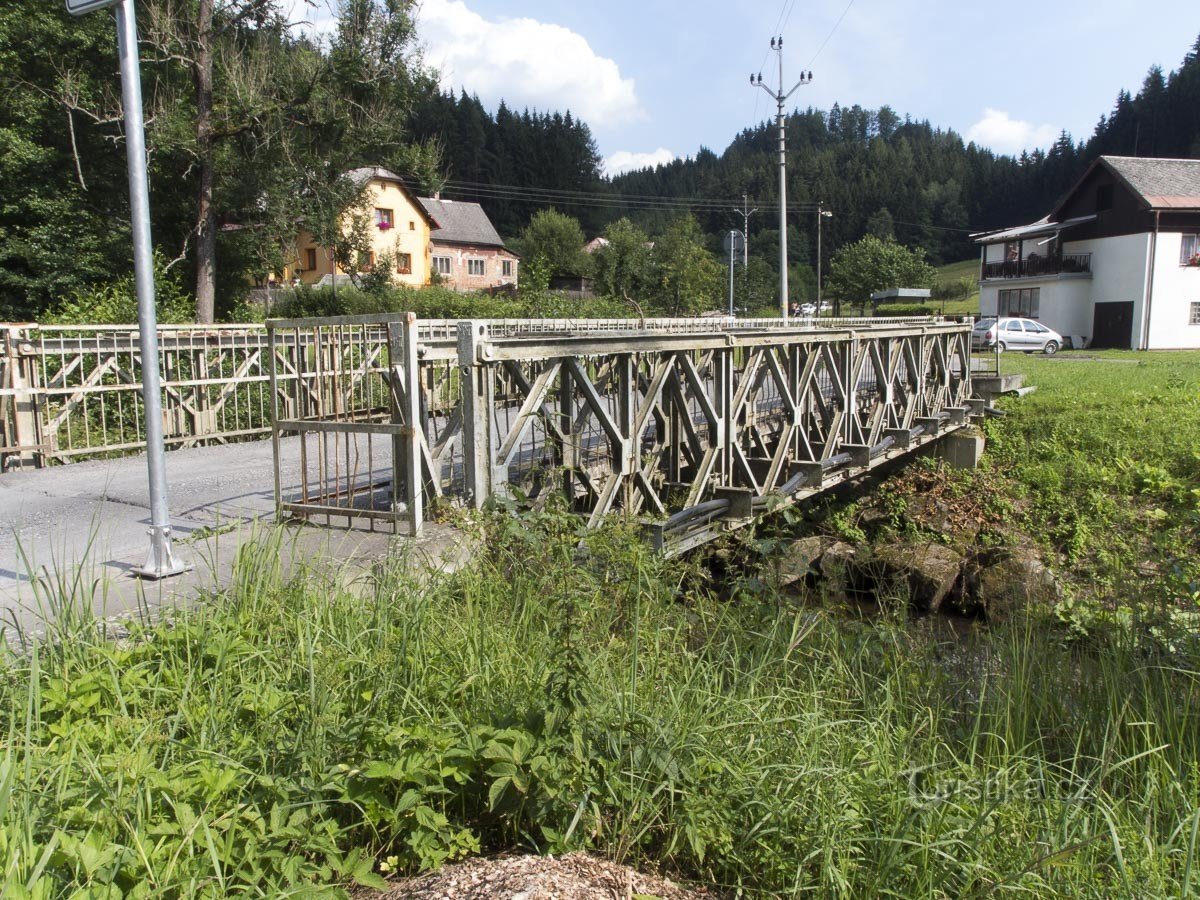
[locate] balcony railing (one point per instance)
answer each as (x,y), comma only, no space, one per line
(1034,266)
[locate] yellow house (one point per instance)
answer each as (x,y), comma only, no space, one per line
(399,229)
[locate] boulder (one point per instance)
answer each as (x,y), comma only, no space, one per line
(930,571)
(1008,583)
(799,559)
(837,558)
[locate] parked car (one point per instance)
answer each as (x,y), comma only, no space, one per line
(1015,334)
(808,309)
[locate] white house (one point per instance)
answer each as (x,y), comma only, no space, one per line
(1115,264)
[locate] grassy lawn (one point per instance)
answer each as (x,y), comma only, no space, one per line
(291,738)
(1107,454)
(969,268)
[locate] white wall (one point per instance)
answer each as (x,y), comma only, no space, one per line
(1064,304)
(1119,270)
(1176,287)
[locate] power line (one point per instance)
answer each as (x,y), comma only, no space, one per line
(831,33)
(586,198)
(642,202)
(791,9)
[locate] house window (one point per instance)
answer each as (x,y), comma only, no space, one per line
(441,265)
(506,268)
(366,261)
(1104,197)
(412,226)
(404,263)
(310,259)
(383,219)
(476,267)
(1025,303)
(1189,250)
(1195,319)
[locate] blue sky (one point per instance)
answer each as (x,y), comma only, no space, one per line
(657,79)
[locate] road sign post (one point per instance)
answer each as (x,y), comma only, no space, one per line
(81,7)
(161,561)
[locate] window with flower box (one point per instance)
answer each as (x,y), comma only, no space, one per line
(404,263)
(1189,250)
(384,219)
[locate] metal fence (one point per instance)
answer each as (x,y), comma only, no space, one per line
(74,392)
(692,429)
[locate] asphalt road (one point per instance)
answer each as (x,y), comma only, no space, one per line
(79,530)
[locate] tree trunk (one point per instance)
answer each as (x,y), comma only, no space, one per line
(206,222)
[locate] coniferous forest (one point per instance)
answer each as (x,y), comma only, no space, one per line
(250,123)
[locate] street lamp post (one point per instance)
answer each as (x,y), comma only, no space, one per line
(161,560)
(822,213)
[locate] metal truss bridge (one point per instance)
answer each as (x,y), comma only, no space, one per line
(693,426)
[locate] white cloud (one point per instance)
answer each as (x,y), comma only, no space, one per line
(526,63)
(626,161)
(1004,134)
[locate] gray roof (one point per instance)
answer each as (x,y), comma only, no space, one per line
(363,174)
(1038,228)
(1160,183)
(461,223)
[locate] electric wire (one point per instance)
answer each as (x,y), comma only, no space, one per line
(836,25)
(641,202)
(552,195)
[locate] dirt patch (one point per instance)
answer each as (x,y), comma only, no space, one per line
(576,876)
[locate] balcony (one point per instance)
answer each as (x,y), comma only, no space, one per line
(1038,266)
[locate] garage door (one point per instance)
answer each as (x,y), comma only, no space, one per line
(1112,325)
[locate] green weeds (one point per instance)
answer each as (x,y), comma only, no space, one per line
(565,691)
(290,738)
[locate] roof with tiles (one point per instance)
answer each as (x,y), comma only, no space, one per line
(461,223)
(1160,183)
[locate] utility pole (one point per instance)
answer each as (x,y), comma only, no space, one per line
(780,99)
(745,212)
(822,213)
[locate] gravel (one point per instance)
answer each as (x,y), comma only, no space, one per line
(576,876)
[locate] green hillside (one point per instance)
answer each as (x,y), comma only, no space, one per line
(958,302)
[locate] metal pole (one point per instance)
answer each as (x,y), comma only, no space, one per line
(745,212)
(783,268)
(732,250)
(161,560)
(780,99)
(820,214)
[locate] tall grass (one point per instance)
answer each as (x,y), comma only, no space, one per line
(291,737)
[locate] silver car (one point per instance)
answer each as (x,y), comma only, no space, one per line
(1015,334)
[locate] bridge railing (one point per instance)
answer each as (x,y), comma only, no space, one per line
(74,392)
(690,429)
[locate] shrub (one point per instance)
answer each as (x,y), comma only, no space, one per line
(904,309)
(115,303)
